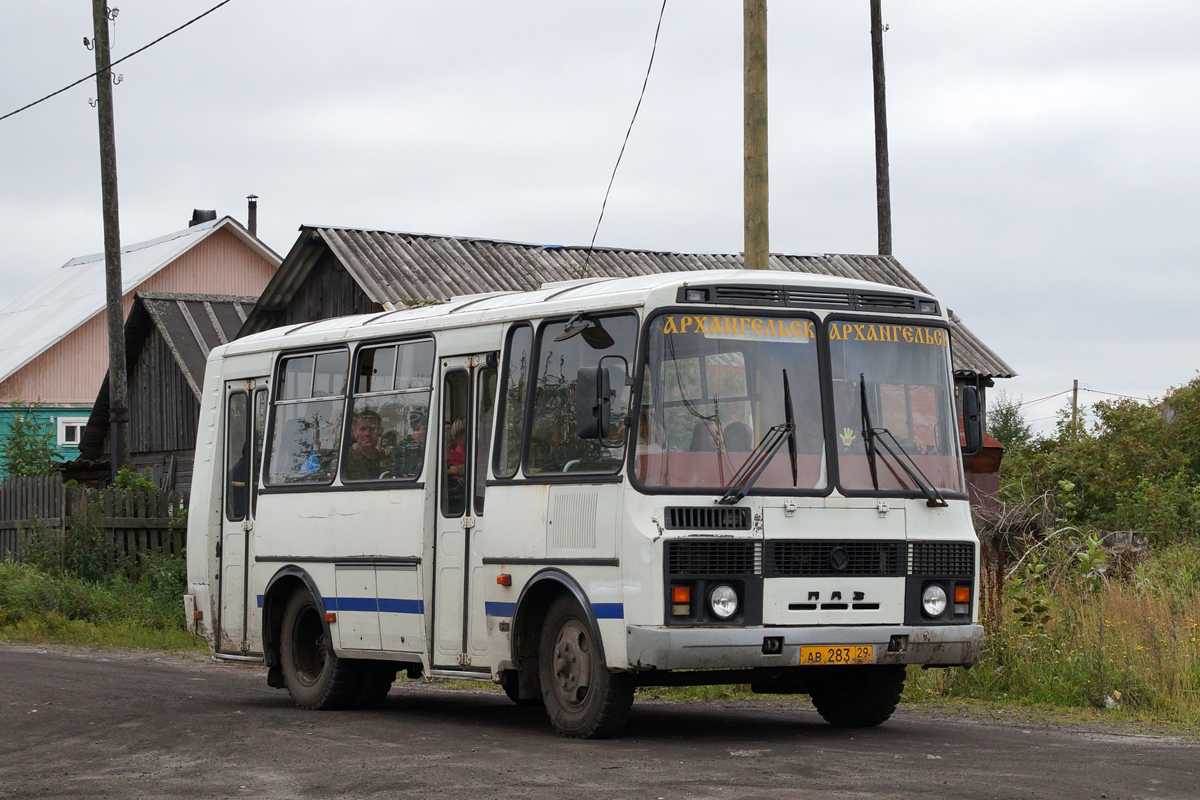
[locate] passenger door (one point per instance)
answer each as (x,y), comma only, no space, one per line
(245,424)
(467,405)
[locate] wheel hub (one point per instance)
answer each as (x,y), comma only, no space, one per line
(572,664)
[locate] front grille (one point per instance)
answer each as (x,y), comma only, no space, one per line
(811,297)
(684,518)
(941,558)
(796,559)
(714,558)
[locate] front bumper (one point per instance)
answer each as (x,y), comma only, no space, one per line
(732,648)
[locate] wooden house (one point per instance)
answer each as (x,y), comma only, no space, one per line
(333,271)
(54,339)
(168,337)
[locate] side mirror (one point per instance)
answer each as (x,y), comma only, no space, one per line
(593,403)
(972,420)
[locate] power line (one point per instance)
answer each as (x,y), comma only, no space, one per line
(1040,399)
(628,131)
(1111,394)
(118,61)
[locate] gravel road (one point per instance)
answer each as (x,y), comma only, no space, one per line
(80,723)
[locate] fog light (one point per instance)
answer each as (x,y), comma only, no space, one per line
(723,601)
(933,600)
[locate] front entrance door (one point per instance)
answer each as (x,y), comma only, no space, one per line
(245,423)
(468,399)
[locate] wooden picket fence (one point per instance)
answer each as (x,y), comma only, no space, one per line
(131,522)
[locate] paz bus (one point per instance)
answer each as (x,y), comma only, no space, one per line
(674,479)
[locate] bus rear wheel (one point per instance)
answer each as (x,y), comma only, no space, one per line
(858,696)
(582,698)
(315,677)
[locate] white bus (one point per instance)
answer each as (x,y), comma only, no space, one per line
(676,479)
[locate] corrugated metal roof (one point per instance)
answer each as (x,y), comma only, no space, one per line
(393,267)
(75,293)
(190,324)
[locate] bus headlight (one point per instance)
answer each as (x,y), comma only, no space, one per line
(933,600)
(723,601)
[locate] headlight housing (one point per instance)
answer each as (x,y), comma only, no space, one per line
(723,601)
(933,600)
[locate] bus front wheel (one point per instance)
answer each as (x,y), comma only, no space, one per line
(857,696)
(315,677)
(582,698)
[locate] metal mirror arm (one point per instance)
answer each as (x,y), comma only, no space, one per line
(933,498)
(759,458)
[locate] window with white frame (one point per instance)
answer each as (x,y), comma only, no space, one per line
(70,430)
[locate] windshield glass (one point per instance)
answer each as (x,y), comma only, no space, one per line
(906,369)
(714,386)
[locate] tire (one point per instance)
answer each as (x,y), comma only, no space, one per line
(511,683)
(315,677)
(375,680)
(858,696)
(582,698)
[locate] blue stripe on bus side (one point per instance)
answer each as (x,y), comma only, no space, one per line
(395,605)
(609,610)
(385,605)
(499,609)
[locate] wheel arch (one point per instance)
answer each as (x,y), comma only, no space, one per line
(281,586)
(530,613)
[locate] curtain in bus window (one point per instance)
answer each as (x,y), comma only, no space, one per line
(390,412)
(307,430)
(906,371)
(554,447)
(512,401)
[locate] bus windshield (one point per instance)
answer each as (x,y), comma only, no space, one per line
(903,371)
(714,387)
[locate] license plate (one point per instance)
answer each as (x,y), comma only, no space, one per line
(837,654)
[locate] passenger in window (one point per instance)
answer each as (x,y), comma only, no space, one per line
(456,454)
(366,461)
(407,457)
(652,438)
(738,437)
(705,437)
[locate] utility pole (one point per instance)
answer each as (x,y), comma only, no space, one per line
(754,106)
(1074,406)
(883,190)
(118,388)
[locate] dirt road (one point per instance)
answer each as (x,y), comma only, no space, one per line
(75,723)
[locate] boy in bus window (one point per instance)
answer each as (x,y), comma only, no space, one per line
(365,460)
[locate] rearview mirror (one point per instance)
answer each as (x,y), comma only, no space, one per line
(593,403)
(972,421)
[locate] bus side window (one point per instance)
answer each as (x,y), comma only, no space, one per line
(260,436)
(306,434)
(565,347)
(238,469)
(390,412)
(512,401)
(485,399)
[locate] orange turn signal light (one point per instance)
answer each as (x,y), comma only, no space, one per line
(681,594)
(330,616)
(962,594)
(504,580)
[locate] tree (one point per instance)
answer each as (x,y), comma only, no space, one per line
(1006,422)
(28,449)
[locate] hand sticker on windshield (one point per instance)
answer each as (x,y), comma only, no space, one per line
(847,437)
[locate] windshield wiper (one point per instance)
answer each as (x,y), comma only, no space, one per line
(933,498)
(868,440)
(759,458)
(789,417)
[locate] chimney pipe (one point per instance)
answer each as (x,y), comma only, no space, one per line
(252,214)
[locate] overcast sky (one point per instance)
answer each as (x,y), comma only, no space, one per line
(1044,162)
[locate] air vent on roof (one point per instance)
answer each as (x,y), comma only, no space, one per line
(807,297)
(749,295)
(871,301)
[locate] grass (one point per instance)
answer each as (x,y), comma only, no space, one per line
(39,606)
